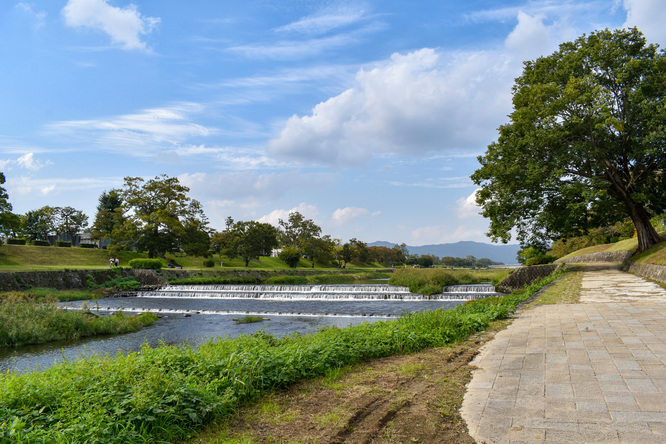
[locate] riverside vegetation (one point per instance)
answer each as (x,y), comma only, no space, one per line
(166,393)
(35,318)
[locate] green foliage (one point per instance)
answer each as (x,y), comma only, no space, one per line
(157,213)
(63,244)
(248,240)
(248,319)
(431,281)
(40,243)
(290,256)
(209,263)
(38,224)
(122,283)
(595,236)
(585,144)
(70,221)
(149,264)
(87,246)
(163,394)
(11,241)
(25,320)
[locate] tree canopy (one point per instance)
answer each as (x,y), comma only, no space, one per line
(156,214)
(585,145)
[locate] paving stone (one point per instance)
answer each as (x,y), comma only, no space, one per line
(572,373)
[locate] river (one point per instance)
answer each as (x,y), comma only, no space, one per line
(196,314)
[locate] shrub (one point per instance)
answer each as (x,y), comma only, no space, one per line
(87,245)
(209,263)
(41,243)
(63,244)
(11,241)
(149,264)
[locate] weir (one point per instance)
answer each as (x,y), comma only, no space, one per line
(369,292)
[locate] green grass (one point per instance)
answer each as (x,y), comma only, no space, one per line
(249,319)
(163,394)
(32,258)
(25,320)
(431,280)
(655,255)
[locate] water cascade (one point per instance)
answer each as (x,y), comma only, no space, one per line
(369,292)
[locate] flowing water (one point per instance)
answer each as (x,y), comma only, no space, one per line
(195,314)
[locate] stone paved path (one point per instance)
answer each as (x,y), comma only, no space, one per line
(592,372)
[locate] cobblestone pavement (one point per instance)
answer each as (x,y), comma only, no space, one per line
(591,372)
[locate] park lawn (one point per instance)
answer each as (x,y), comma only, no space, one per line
(34,258)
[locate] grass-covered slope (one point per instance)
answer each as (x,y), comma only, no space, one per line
(652,256)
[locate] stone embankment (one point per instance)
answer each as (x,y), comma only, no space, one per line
(614,256)
(649,271)
(78,279)
(525,276)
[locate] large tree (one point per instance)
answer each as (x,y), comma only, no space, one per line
(109,214)
(249,240)
(39,224)
(156,214)
(585,143)
(71,222)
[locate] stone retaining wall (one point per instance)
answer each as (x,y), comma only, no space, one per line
(524,276)
(650,271)
(614,256)
(71,279)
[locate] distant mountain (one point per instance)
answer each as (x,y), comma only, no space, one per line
(495,252)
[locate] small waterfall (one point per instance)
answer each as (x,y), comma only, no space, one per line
(317,292)
(469,289)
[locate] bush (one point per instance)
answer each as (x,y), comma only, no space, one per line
(209,263)
(87,245)
(146,264)
(11,241)
(63,244)
(41,243)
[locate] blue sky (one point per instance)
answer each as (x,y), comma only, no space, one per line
(366,116)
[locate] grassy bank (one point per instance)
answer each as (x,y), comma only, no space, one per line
(28,320)
(430,281)
(163,394)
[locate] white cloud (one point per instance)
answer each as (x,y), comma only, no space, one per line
(140,134)
(424,101)
(125,26)
(530,38)
(648,16)
(342,216)
(273,218)
(29,162)
(48,189)
(466,206)
(38,17)
(324,21)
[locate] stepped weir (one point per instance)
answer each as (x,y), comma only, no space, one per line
(370,292)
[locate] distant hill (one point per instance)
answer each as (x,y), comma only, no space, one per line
(496,252)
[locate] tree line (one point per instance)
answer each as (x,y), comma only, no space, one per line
(158,216)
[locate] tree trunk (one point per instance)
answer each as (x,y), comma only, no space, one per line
(647,235)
